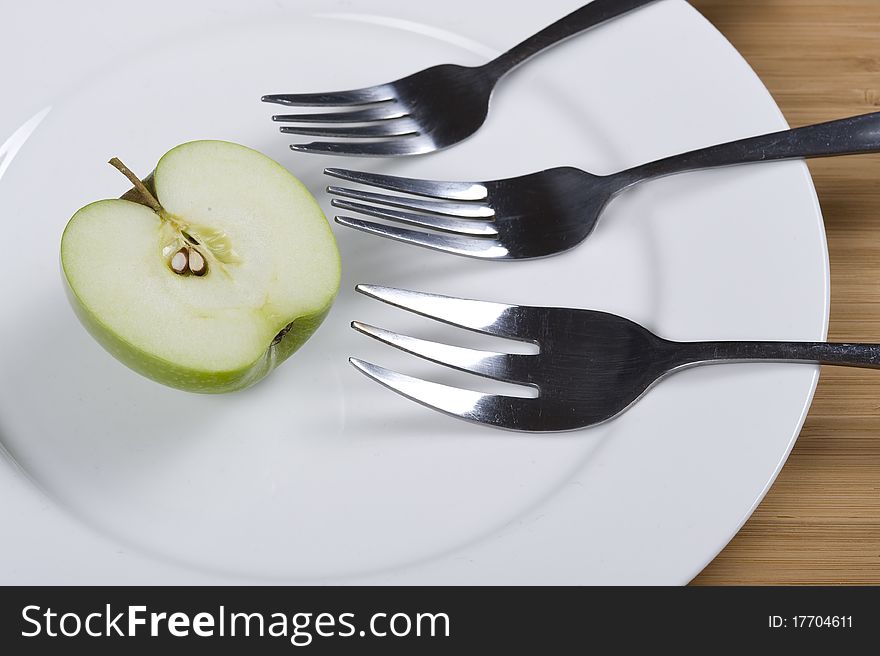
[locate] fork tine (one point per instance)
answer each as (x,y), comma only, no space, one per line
(463,210)
(364,96)
(442,223)
(492,409)
(430,188)
(383,112)
(391,128)
(480,316)
(498,366)
(479,247)
(408,145)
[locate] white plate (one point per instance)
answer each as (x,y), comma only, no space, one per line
(317,474)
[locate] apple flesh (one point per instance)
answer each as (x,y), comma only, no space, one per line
(271,268)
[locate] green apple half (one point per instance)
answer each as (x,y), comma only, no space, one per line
(264,268)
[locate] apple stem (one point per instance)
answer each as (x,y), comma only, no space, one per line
(148,197)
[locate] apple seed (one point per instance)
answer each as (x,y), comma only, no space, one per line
(180,261)
(197,264)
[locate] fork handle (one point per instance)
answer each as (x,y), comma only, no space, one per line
(847,136)
(848,355)
(591,15)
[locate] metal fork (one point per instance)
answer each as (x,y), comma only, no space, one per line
(591,366)
(552,211)
(429,110)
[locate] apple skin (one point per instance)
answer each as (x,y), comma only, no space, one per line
(296,331)
(194,380)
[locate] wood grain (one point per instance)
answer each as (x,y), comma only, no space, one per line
(820,522)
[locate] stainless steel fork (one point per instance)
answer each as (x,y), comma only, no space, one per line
(551,211)
(591,365)
(429,110)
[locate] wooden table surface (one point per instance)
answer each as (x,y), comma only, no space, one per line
(820,522)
